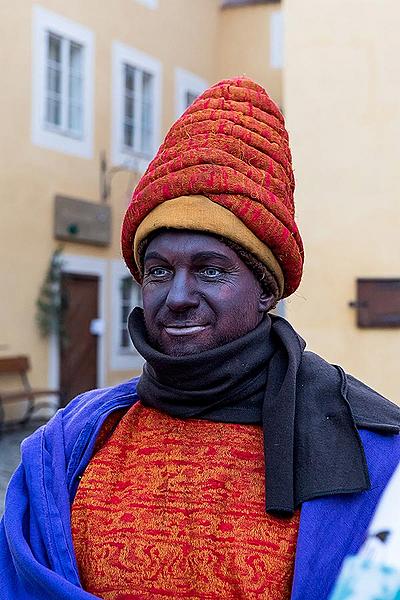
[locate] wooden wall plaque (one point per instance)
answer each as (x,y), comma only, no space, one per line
(82,221)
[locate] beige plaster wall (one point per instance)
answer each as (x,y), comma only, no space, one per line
(342,101)
(244,46)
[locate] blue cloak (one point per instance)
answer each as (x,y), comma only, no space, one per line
(37,560)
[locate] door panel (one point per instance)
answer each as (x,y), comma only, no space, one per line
(78,353)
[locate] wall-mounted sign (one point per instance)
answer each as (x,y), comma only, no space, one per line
(82,221)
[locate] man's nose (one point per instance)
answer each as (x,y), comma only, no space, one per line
(182,294)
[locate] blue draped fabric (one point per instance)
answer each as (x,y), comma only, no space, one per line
(37,560)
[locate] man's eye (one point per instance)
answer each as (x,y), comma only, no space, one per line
(158,272)
(211,272)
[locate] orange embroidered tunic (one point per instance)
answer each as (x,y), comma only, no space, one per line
(170,508)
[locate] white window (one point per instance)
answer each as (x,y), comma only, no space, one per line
(126,294)
(64,89)
(276,40)
(62,98)
(187,88)
(136,98)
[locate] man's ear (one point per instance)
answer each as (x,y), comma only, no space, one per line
(266,301)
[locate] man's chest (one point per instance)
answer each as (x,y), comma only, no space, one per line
(176,509)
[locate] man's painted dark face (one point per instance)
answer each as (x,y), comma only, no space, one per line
(197,293)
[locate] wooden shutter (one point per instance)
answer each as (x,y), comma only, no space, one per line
(378,303)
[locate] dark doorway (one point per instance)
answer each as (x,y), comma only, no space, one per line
(78,350)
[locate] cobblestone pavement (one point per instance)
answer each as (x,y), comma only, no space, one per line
(10,442)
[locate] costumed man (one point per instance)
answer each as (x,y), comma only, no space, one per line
(238,465)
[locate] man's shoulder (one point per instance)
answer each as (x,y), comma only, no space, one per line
(87,401)
(85,413)
(370,409)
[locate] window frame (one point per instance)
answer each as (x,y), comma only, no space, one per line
(126,55)
(121,359)
(186,82)
(44,134)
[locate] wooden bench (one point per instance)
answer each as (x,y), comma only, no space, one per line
(19,365)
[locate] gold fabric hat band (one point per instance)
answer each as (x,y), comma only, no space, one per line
(199,213)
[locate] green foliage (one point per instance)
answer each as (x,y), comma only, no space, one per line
(51,303)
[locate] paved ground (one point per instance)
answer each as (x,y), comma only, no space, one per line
(9,455)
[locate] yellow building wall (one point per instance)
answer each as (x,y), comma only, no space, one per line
(342,101)
(244,46)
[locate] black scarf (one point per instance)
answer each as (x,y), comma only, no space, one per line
(311,443)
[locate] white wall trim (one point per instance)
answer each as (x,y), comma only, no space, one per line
(43,21)
(185,81)
(131,360)
(83,265)
(123,54)
(276,40)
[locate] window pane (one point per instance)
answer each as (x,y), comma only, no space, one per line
(53,80)
(147,141)
(128,135)
(147,113)
(75,58)
(53,111)
(147,118)
(128,108)
(75,118)
(147,87)
(129,297)
(126,293)
(125,341)
(126,309)
(129,78)
(126,288)
(54,48)
(75,89)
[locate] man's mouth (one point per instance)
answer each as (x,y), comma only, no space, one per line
(184,329)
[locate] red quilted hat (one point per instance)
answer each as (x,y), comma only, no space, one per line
(224,168)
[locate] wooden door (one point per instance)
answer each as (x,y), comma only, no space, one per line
(78,350)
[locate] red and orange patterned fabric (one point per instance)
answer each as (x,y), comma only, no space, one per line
(170,509)
(231,146)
